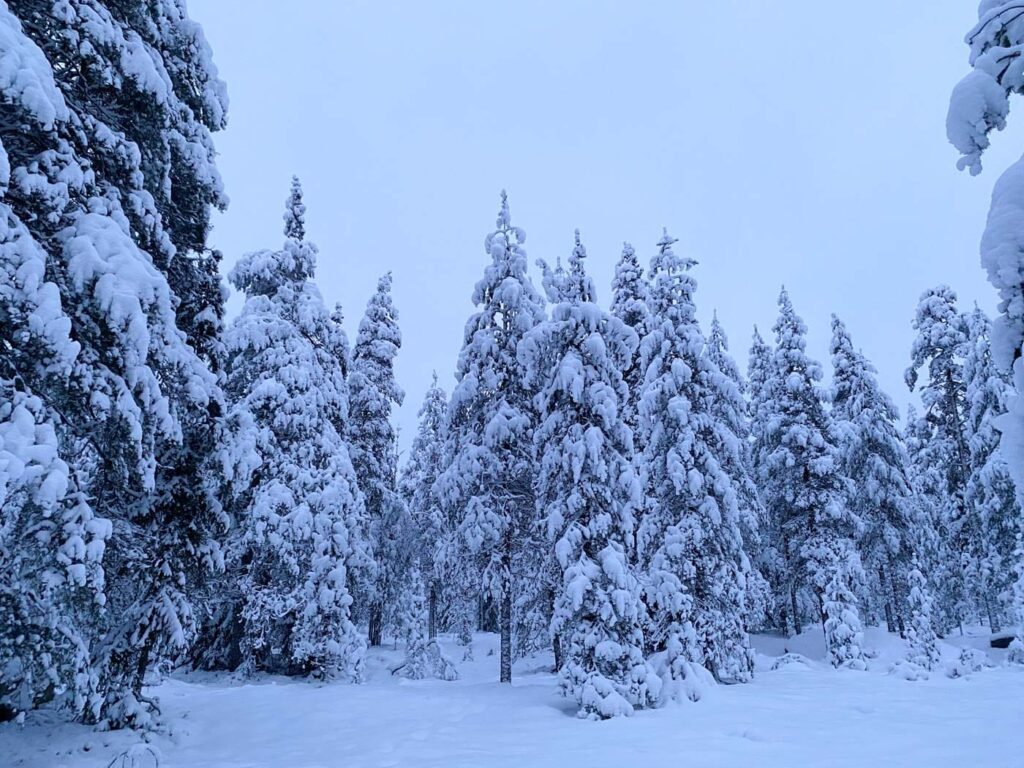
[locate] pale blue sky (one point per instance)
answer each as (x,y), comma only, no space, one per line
(781,142)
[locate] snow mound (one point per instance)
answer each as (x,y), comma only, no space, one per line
(792,662)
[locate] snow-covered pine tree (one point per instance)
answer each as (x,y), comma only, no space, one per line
(805,494)
(104,96)
(978,105)
(990,492)
(938,349)
(732,410)
(922,644)
(874,459)
(629,304)
(689,542)
(587,495)
(489,478)
(771,559)
(373,393)
(416,483)
(291,482)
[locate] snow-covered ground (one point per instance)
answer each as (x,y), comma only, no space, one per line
(802,714)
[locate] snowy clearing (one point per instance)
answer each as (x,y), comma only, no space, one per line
(799,714)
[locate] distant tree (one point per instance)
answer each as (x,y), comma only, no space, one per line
(689,541)
(921,640)
(990,492)
(875,461)
(373,444)
(938,350)
(806,495)
(732,410)
(771,557)
(416,484)
(629,304)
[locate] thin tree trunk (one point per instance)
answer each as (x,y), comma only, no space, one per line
(506,611)
(890,619)
(896,603)
(556,647)
(432,612)
(993,617)
(796,613)
(376,623)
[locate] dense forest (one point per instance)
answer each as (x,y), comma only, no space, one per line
(600,478)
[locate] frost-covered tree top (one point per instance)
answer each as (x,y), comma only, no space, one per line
(760,360)
(718,351)
(267,272)
(508,304)
(629,291)
(941,334)
(490,412)
(295,212)
(855,392)
(938,349)
(374,393)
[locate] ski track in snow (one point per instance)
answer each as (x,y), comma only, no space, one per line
(798,715)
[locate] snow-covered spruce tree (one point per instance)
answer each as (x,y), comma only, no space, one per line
(922,644)
(771,558)
(491,420)
(938,349)
(587,494)
(372,443)
(629,304)
(689,542)
(416,483)
(412,626)
(805,494)
(102,89)
(874,459)
(732,410)
(980,104)
(292,486)
(423,655)
(928,508)
(990,492)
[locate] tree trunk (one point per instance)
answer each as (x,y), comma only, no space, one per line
(897,604)
(796,612)
(432,612)
(890,619)
(993,616)
(506,612)
(556,647)
(376,628)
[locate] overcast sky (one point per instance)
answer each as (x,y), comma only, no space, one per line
(781,142)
